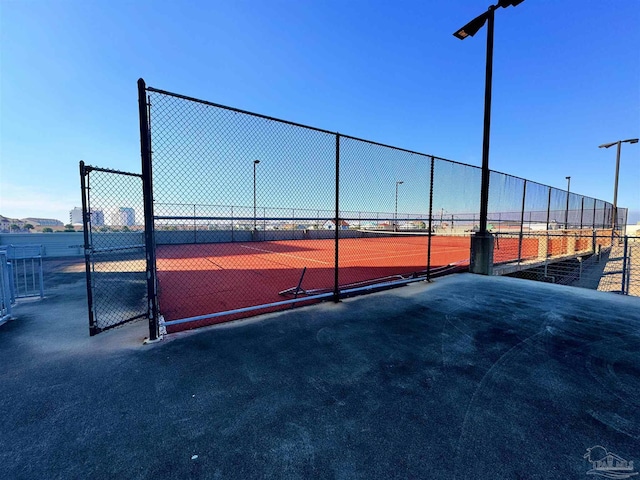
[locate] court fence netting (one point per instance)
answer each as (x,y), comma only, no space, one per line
(236,214)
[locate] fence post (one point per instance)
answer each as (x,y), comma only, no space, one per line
(336,288)
(581,213)
(625,265)
(195,228)
(430,221)
(86,225)
(524,196)
(548,209)
(149,227)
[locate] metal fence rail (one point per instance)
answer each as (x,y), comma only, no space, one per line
(25,270)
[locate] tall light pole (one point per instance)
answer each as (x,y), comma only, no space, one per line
(395,215)
(615,188)
(483,248)
(566,212)
(255,164)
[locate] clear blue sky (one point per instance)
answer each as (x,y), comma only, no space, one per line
(566,79)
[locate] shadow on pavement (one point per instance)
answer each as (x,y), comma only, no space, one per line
(466,377)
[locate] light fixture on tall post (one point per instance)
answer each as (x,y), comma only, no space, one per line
(566,212)
(255,164)
(482,246)
(615,187)
(395,215)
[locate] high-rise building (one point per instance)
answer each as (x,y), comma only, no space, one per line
(125,216)
(75,216)
(97,217)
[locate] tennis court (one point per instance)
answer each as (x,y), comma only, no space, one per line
(215,280)
(196,280)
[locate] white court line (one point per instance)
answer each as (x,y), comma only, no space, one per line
(404,254)
(286,255)
(351,259)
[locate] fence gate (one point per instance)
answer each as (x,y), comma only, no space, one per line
(113,221)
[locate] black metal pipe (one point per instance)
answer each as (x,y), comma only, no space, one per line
(566,210)
(524,196)
(147,188)
(548,209)
(336,288)
(484,189)
(430,221)
(86,225)
(625,266)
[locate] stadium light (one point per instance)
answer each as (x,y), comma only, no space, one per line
(255,164)
(566,212)
(395,216)
(482,242)
(615,187)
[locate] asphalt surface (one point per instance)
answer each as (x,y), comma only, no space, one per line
(468,377)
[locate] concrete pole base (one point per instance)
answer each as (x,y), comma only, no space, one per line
(482,254)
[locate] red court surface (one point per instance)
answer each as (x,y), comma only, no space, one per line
(203,279)
(200,279)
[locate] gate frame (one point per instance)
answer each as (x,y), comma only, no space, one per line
(94,329)
(144,105)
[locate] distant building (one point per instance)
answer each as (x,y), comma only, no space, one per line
(97,217)
(43,222)
(331,225)
(124,216)
(5,223)
(75,216)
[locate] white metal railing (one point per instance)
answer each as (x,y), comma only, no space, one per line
(6,295)
(24,270)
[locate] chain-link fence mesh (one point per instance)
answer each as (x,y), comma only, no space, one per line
(243,208)
(251,211)
(249,214)
(581,260)
(384,205)
(115,253)
(631,266)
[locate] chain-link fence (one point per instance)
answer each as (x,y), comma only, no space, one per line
(631,266)
(114,247)
(252,213)
(247,214)
(580,259)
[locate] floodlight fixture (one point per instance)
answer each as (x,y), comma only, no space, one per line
(509,3)
(471,28)
(629,140)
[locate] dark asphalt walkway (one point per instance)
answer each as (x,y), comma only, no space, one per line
(469,377)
